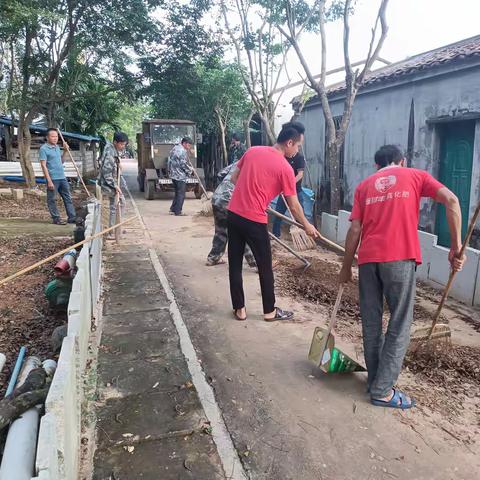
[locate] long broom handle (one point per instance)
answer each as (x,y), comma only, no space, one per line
(197,177)
(286,205)
(333,317)
(61,252)
(297,224)
(74,163)
(286,247)
(465,243)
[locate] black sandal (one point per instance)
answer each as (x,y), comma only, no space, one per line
(280,315)
(238,317)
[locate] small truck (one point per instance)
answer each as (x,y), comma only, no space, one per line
(154,143)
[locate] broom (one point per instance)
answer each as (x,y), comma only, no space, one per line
(423,335)
(207,209)
(301,241)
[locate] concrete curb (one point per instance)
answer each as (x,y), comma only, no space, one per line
(58,450)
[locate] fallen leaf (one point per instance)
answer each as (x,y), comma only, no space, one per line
(156,385)
(127,435)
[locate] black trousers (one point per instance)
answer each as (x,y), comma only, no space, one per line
(180,189)
(241,232)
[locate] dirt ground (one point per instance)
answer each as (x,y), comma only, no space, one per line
(444,378)
(35,207)
(26,318)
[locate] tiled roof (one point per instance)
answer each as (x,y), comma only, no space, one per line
(459,51)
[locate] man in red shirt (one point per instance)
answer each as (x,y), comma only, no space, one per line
(385,216)
(261,175)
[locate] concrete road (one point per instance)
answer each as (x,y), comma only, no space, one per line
(286,419)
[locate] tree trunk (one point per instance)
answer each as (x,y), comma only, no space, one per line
(223,140)
(332,157)
(268,129)
(246,129)
(8,143)
(24,142)
(12,408)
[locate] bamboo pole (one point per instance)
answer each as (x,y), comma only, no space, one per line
(61,252)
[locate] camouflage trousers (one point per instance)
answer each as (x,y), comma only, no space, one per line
(220,239)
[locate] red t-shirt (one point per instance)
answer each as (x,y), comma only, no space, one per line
(264,174)
(387,205)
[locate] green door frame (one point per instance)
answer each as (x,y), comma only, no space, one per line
(455,171)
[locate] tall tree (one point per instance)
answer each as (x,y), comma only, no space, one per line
(261,55)
(293,16)
(43,33)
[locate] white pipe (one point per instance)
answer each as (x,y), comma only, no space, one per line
(19,454)
(49,366)
(3,359)
(29,364)
(18,459)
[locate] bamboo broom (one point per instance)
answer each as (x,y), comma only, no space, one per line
(301,241)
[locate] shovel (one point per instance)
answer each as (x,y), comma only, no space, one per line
(323,351)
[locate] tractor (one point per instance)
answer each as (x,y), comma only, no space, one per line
(157,139)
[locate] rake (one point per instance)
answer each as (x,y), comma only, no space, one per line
(301,241)
(441,332)
(306,263)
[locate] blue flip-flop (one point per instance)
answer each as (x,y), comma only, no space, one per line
(399,400)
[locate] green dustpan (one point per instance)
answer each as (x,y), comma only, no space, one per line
(323,351)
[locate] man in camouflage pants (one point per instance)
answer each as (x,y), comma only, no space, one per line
(220,200)
(108,175)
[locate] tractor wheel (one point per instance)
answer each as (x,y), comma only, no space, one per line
(198,192)
(141,182)
(149,189)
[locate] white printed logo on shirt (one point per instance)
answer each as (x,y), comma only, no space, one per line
(383,184)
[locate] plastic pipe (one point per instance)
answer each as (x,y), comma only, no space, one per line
(49,366)
(28,365)
(19,453)
(18,459)
(3,359)
(16,371)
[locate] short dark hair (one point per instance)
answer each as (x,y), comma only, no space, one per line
(296,125)
(291,131)
(187,140)
(387,155)
(235,137)
(120,137)
(51,129)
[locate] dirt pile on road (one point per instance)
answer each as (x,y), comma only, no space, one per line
(445,380)
(319,285)
(441,363)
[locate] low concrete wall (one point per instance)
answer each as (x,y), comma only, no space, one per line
(435,267)
(58,452)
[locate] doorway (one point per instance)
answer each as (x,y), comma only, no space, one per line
(456,158)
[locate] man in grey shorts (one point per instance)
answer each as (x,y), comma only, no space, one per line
(384,222)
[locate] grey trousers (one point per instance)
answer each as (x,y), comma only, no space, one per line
(384,354)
